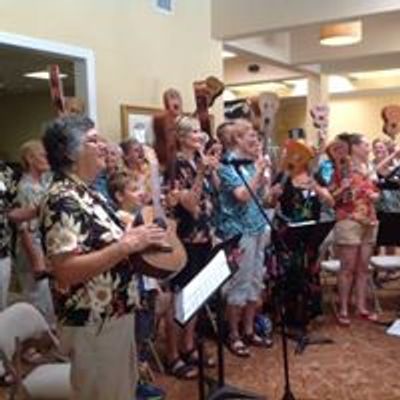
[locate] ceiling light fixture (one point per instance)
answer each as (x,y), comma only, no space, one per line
(379,74)
(342,34)
(228,54)
(41,75)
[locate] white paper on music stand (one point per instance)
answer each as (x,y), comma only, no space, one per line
(303,223)
(190,299)
(394,329)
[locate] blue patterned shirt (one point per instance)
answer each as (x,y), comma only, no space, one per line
(236,217)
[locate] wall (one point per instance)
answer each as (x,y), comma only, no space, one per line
(139,53)
(21,118)
(355,113)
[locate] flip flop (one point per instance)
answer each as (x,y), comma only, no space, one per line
(343,320)
(181,370)
(255,340)
(238,348)
(192,358)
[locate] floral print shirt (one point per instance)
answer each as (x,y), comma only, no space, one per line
(193,229)
(8,190)
(355,203)
(75,219)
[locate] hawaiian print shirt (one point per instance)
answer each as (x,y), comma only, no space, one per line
(236,217)
(75,219)
(192,229)
(356,203)
(8,190)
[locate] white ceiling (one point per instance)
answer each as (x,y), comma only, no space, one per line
(285,35)
(14,63)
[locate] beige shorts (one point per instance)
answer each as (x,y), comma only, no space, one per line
(350,232)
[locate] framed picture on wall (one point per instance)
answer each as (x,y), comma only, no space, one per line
(137,123)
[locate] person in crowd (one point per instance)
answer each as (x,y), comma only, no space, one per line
(129,198)
(240,215)
(301,200)
(114,163)
(7,196)
(136,164)
(194,177)
(356,228)
(89,248)
(385,163)
(225,136)
(31,264)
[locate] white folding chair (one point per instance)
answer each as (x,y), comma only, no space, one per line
(20,324)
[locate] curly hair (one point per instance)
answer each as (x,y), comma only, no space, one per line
(62,140)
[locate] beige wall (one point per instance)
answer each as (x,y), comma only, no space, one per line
(21,118)
(139,52)
(347,114)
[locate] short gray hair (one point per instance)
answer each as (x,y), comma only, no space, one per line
(63,138)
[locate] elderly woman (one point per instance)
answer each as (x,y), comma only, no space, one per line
(31,265)
(89,250)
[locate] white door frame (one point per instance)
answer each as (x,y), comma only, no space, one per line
(80,54)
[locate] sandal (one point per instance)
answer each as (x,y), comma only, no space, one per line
(343,320)
(252,339)
(179,369)
(238,348)
(368,316)
(191,357)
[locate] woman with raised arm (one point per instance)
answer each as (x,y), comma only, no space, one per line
(89,251)
(356,228)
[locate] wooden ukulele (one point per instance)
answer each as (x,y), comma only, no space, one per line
(206,92)
(339,153)
(56,90)
(320,117)
(171,257)
(391,120)
(63,105)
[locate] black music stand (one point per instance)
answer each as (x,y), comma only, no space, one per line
(288,394)
(299,236)
(220,271)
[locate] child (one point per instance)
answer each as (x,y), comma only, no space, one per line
(129,198)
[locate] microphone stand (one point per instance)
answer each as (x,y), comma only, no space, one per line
(288,395)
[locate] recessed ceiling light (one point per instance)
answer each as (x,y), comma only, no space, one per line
(384,73)
(342,34)
(42,75)
(228,54)
(259,87)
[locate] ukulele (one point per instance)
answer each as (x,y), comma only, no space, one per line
(56,90)
(339,152)
(169,258)
(320,117)
(206,92)
(63,105)
(391,120)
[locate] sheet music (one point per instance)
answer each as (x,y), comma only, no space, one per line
(304,223)
(191,298)
(394,329)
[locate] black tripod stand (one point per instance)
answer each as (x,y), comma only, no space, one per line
(298,237)
(217,390)
(288,395)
